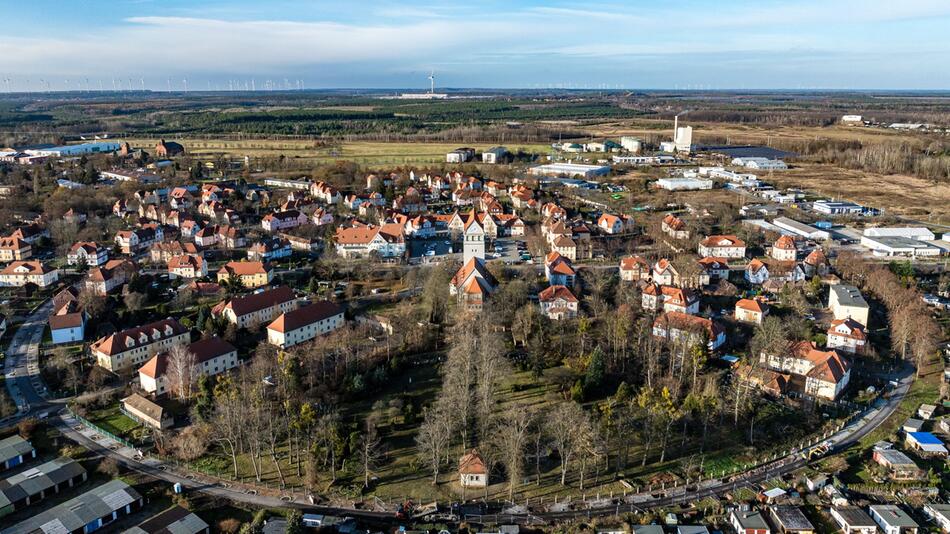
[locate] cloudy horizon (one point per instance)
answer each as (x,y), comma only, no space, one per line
(733,44)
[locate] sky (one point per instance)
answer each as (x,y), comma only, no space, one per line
(632,44)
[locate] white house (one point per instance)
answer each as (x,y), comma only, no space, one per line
(21,273)
(558,303)
(133,346)
(847,335)
(892,519)
(305,323)
(360,241)
(675,326)
(846,301)
(212,356)
(87,253)
(722,246)
(853,520)
(826,373)
(249,311)
(610,224)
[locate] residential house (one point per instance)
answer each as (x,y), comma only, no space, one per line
(748,522)
(784,249)
(558,270)
(853,520)
(898,465)
(147,412)
(610,224)
(181,198)
(846,301)
(634,268)
(558,303)
(712,269)
(305,323)
(565,246)
(751,311)
(472,284)
(676,326)
(229,237)
(825,373)
(674,227)
(14,249)
(138,239)
(302,243)
(670,299)
(665,274)
(473,473)
(166,250)
(386,241)
(816,264)
(722,246)
(283,220)
(892,519)
(212,356)
(321,217)
(790,520)
(30,233)
(67,324)
(270,250)
(187,266)
(87,253)
(251,311)
(757,272)
(114,273)
(21,273)
(249,273)
(847,335)
(134,346)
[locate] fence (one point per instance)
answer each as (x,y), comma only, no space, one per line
(100,430)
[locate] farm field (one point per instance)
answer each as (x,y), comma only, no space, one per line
(363,152)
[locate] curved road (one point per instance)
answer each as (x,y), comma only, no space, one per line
(27,389)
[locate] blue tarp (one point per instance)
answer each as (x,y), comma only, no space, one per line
(925,438)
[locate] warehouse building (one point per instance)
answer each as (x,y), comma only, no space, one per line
(569,169)
(801,229)
(684,184)
(899,246)
(833,207)
(911,232)
(103,147)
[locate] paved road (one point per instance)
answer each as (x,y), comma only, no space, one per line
(21,366)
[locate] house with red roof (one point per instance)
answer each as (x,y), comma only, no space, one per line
(558,303)
(558,270)
(14,249)
(187,266)
(751,311)
(363,240)
(249,273)
(21,273)
(669,298)
(134,346)
(473,473)
(676,326)
(111,275)
(757,272)
(664,273)
(304,323)
(825,374)
(610,224)
(674,227)
(784,249)
(212,356)
(847,335)
(262,307)
(634,268)
(722,246)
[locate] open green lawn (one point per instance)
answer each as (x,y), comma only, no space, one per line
(114,421)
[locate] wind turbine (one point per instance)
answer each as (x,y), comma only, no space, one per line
(432,82)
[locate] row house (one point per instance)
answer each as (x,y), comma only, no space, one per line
(166,250)
(670,299)
(112,274)
(674,227)
(495,189)
(226,236)
(87,253)
(212,356)
(305,323)
(121,208)
(387,241)
(472,284)
(21,273)
(302,243)
(148,197)
(677,326)
(14,249)
(283,220)
(269,250)
(558,303)
(825,373)
(187,266)
(420,226)
(409,203)
(251,311)
(524,200)
(134,346)
(249,273)
(722,246)
(558,270)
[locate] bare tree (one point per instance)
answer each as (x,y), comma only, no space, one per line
(370,452)
(512,433)
(433,439)
(181,371)
(567,426)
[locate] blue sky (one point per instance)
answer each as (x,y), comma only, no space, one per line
(718,44)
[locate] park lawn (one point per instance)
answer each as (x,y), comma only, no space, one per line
(112,420)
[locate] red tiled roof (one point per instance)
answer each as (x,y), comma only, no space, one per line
(722,241)
(304,316)
(259,301)
(116,343)
(204,350)
(556,292)
(752,305)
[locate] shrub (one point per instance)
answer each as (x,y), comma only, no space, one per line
(229,526)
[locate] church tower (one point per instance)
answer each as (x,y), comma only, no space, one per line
(474,239)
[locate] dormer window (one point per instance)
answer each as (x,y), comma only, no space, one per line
(129,342)
(156,334)
(143,338)
(168,330)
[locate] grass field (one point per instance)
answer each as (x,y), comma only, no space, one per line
(364,152)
